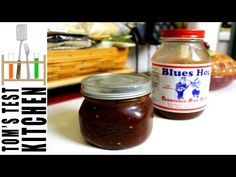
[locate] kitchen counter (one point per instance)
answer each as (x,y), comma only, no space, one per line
(213,132)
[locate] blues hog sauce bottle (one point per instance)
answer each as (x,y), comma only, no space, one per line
(181,70)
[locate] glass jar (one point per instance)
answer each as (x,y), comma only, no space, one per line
(117,110)
(181,70)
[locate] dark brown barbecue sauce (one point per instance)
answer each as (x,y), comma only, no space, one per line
(116,124)
(111,121)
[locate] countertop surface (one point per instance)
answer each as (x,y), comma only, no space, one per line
(213,132)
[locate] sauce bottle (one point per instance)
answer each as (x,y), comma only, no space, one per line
(181,71)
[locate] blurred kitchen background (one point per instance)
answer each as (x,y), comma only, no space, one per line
(78,50)
(220,36)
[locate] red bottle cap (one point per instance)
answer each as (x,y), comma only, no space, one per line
(183,33)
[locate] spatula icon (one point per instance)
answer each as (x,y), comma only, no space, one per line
(21,35)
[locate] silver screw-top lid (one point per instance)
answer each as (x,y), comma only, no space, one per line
(116,86)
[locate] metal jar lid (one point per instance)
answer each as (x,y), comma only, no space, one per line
(116,86)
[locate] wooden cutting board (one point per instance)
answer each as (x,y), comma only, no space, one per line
(75,80)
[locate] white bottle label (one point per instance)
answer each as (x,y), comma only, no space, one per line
(180,88)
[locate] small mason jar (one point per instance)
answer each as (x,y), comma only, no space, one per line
(181,70)
(117,111)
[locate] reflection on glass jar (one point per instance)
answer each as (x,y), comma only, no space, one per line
(116,115)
